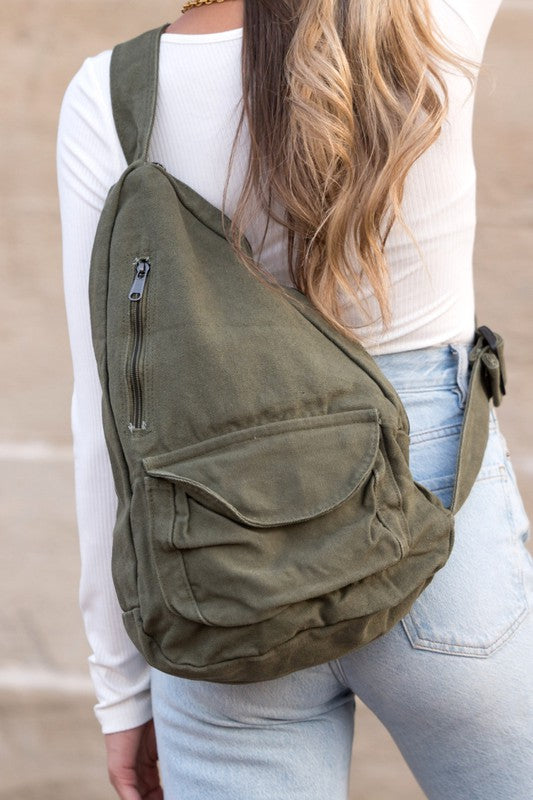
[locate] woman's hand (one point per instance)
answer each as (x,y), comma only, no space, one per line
(132,763)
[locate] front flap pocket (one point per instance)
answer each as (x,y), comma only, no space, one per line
(279,473)
(273,515)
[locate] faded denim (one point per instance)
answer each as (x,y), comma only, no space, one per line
(452,681)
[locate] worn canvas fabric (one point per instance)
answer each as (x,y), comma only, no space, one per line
(267,518)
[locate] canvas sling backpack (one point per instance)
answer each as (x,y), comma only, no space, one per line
(267,519)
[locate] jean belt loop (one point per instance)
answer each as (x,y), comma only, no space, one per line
(460,351)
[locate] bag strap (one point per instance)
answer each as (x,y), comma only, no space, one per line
(134,74)
(487,380)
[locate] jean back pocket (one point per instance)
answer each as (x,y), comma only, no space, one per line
(476,602)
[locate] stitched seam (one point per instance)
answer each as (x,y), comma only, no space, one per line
(190,591)
(440,433)
(487,473)
(179,556)
(435,433)
(254,658)
(340,668)
(209,494)
(507,485)
(153,105)
(383,521)
(425,388)
(461,649)
(313,422)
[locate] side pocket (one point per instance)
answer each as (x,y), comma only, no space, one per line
(248,524)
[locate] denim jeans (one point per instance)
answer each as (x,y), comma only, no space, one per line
(452,681)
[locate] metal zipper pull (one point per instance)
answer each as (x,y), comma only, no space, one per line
(142,267)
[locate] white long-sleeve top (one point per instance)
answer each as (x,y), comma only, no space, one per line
(197,113)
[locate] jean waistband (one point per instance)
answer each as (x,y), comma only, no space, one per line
(413,370)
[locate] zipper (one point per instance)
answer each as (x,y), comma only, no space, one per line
(137,297)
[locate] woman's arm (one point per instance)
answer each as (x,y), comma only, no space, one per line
(89,161)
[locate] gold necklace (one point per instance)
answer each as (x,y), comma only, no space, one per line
(193,3)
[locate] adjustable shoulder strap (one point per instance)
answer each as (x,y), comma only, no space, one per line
(487,380)
(134,73)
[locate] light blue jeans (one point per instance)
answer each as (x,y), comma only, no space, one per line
(452,682)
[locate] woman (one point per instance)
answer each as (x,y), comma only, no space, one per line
(377,123)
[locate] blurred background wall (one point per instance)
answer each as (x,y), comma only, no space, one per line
(50,745)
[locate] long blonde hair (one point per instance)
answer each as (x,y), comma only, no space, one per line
(341,97)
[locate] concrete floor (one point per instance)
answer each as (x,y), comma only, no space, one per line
(50,745)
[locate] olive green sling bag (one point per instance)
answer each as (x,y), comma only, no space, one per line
(267,519)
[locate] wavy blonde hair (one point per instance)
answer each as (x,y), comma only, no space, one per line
(341,97)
